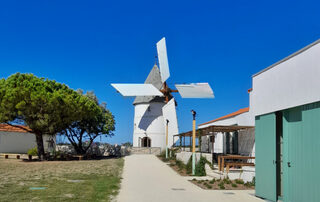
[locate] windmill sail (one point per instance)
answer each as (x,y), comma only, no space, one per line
(163,60)
(195,90)
(132,90)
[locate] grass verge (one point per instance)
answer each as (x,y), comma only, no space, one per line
(94,180)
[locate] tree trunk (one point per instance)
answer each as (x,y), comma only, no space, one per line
(40,146)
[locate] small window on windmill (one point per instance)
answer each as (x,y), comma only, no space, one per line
(149,109)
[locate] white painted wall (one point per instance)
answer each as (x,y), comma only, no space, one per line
(293,82)
(245,140)
(19,143)
(149,123)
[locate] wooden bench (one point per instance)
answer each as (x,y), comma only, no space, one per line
(6,156)
(79,157)
(222,158)
(240,164)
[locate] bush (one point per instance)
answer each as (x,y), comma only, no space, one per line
(33,151)
(226,180)
(163,154)
(200,167)
(180,164)
(239,181)
(253,182)
(209,186)
(221,185)
(234,185)
(189,166)
(212,181)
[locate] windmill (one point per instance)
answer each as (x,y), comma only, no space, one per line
(155,108)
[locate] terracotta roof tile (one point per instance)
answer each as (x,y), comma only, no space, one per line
(8,128)
(240,111)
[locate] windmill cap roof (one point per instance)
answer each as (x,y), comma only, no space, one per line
(153,78)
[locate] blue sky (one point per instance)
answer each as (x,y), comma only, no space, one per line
(90,44)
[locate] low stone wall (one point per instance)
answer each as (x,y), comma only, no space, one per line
(184,156)
(98,150)
(146,150)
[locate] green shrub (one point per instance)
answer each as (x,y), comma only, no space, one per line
(212,181)
(194,179)
(209,186)
(253,182)
(247,184)
(173,154)
(33,151)
(200,167)
(226,180)
(239,181)
(234,185)
(221,185)
(180,164)
(163,154)
(189,166)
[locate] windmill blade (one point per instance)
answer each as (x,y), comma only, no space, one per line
(163,60)
(133,90)
(169,113)
(195,90)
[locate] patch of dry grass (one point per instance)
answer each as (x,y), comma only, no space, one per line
(64,180)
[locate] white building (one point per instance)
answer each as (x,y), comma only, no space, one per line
(18,141)
(241,142)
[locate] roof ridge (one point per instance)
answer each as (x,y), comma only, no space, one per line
(9,128)
(240,111)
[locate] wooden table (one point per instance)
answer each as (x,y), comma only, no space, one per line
(222,158)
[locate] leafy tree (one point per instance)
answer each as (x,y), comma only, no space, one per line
(45,106)
(94,121)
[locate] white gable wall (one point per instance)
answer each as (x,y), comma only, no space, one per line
(292,82)
(19,143)
(245,148)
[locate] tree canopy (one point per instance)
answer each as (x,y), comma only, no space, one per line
(95,121)
(48,107)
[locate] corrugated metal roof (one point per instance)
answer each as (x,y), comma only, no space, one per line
(240,111)
(9,128)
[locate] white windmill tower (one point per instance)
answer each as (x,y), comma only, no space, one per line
(155,107)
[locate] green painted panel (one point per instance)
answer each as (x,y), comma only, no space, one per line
(265,140)
(302,148)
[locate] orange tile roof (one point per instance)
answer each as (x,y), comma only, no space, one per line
(240,111)
(8,128)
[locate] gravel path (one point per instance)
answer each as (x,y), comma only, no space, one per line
(146,178)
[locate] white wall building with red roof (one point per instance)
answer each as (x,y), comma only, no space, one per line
(242,142)
(18,141)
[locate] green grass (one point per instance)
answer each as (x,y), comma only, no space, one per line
(100,184)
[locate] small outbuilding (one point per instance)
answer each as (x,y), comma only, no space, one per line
(18,141)
(286,106)
(234,142)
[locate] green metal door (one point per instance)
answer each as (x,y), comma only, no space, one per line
(301,153)
(265,144)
